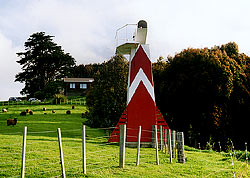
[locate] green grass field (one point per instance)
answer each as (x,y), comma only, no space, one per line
(42,151)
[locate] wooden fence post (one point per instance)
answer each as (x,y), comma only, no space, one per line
(174,144)
(246,154)
(219,147)
(122,145)
(153,136)
(83,150)
(232,163)
(61,152)
(161,138)
(180,147)
(165,141)
(138,146)
(156,146)
(23,152)
(170,145)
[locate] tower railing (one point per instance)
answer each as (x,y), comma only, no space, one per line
(125,34)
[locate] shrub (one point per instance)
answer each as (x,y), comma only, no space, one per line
(229,146)
(106,99)
(59,97)
(210,144)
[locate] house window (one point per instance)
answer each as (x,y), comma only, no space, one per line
(83,85)
(72,85)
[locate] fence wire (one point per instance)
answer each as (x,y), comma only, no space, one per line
(101,155)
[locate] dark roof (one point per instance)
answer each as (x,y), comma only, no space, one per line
(78,80)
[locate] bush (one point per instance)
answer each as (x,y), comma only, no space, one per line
(59,97)
(106,99)
(210,144)
(241,155)
(40,95)
(229,146)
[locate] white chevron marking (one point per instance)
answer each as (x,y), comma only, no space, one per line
(145,49)
(140,76)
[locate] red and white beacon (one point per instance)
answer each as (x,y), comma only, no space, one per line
(141,108)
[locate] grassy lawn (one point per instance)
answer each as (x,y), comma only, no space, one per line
(42,151)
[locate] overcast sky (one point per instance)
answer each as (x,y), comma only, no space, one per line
(86,28)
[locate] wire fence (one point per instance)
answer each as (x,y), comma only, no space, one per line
(42,157)
(80,101)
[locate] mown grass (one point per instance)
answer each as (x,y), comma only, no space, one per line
(42,151)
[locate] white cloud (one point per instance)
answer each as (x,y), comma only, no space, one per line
(8,69)
(86,29)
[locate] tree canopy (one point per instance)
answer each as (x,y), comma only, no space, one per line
(106,99)
(44,64)
(205,92)
(85,71)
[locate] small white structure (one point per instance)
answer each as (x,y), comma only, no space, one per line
(130,36)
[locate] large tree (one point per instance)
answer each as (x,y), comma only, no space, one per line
(158,68)
(106,99)
(85,71)
(44,64)
(205,92)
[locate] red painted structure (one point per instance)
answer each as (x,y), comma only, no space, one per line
(141,107)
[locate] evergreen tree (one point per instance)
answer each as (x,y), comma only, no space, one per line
(44,64)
